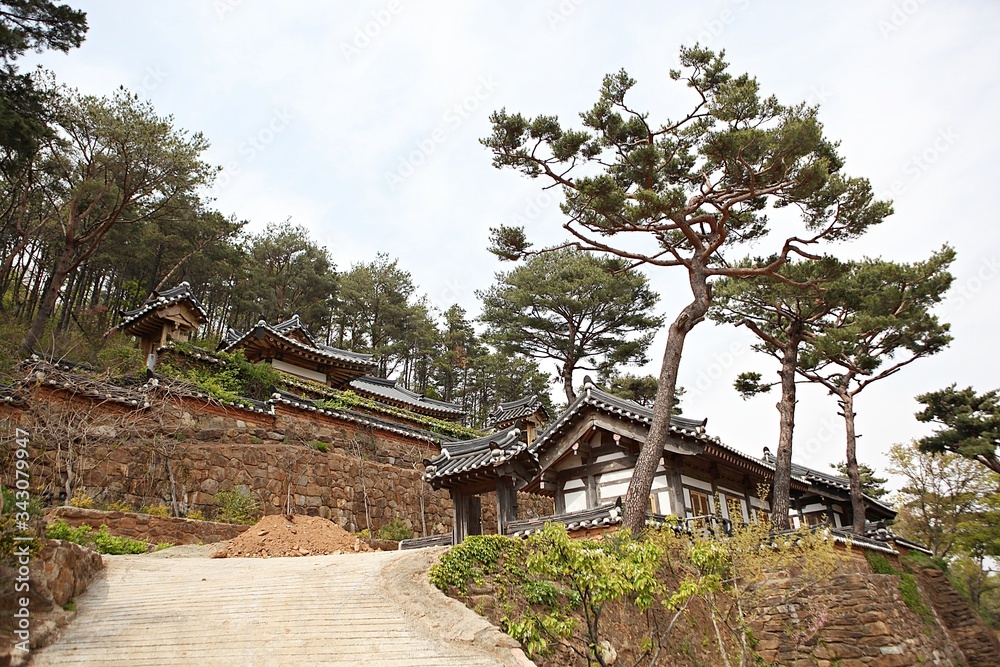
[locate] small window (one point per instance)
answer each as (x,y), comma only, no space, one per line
(699,504)
(815,519)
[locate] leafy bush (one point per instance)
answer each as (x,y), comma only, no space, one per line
(919,560)
(470,561)
(82,500)
(156,510)
(102,541)
(195,515)
(107,543)
(395,530)
(238,505)
(117,506)
(160,546)
(60,530)
(319,446)
(33,506)
(229,378)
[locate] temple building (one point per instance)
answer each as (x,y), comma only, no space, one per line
(290,348)
(584,460)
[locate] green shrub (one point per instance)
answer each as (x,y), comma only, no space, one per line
(60,530)
(238,505)
(319,446)
(102,541)
(918,560)
(395,530)
(107,543)
(156,510)
(195,515)
(471,561)
(160,546)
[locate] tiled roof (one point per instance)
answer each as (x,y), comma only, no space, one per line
(812,476)
(595,397)
(598,517)
(388,389)
(295,324)
(439,540)
(480,454)
(233,339)
(513,410)
(360,418)
(159,300)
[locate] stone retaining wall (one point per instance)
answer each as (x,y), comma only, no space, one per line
(146,527)
(182,452)
(60,572)
(855,620)
(977,641)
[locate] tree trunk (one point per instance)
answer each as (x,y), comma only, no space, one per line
(566,373)
(63,268)
(857,496)
(637,497)
(783,455)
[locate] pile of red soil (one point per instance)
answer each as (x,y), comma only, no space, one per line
(293,535)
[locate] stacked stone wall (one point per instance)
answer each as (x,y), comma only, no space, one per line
(857,619)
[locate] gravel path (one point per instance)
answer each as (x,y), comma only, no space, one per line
(372,609)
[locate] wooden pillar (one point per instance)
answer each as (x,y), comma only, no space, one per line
(460,529)
(673,467)
(506,504)
(475,515)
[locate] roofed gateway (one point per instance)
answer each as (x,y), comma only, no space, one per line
(170,315)
(584,459)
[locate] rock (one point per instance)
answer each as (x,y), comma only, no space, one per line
(221,553)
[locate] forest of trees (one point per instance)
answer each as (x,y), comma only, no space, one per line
(102,201)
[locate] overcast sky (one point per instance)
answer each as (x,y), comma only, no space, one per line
(361,120)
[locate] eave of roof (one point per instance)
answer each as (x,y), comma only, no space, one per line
(324,352)
(459,460)
(513,410)
(388,389)
(159,300)
(359,418)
